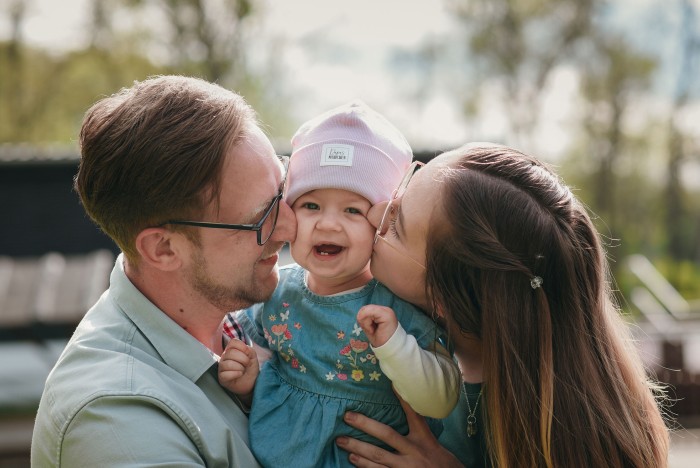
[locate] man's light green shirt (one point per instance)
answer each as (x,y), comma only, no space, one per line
(132,388)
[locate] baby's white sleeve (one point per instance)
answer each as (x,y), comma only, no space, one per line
(429,380)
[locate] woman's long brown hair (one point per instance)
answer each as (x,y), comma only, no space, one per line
(563,384)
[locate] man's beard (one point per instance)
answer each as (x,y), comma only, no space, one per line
(225,297)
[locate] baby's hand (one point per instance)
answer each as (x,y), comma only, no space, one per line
(238,369)
(378,322)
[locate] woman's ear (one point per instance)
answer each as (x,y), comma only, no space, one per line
(439,312)
(159,248)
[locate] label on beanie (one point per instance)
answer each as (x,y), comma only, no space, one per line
(337,155)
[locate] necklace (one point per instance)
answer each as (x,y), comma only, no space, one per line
(471,415)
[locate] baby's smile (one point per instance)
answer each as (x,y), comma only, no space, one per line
(328,249)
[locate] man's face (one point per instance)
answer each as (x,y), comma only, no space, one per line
(228,268)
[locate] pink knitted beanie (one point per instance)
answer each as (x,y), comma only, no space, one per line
(351,147)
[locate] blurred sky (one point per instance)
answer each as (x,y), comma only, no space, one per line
(333,51)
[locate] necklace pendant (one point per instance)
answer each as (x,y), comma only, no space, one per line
(471,415)
(471,426)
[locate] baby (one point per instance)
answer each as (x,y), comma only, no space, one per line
(324,362)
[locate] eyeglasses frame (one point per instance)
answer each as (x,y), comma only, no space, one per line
(257,227)
(410,172)
(408,175)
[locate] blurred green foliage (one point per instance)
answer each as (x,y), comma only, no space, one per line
(684,275)
(628,175)
(45,96)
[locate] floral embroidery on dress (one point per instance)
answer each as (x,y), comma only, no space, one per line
(357,358)
(280,337)
(358,363)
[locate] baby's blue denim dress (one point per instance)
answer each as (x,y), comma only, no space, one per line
(322,366)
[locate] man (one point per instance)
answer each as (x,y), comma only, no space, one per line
(177,171)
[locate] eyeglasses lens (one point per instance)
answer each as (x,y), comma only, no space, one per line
(268,226)
(390,210)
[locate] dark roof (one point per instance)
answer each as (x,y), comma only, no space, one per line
(33,154)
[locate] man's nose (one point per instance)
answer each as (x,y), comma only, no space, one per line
(286,229)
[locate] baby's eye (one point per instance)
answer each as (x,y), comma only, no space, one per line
(310,206)
(353,211)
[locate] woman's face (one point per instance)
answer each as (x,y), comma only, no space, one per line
(398,259)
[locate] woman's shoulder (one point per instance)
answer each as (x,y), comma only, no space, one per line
(383,296)
(408,314)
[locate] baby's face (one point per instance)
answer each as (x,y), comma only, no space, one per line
(334,239)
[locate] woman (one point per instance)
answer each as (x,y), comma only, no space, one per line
(516,271)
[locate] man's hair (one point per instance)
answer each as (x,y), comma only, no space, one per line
(155,151)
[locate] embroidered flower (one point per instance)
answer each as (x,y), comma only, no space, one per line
(341,335)
(280,330)
(374,376)
(343,376)
(272,318)
(358,345)
(282,334)
(330,376)
(285,304)
(302,369)
(295,363)
(345,351)
(297,325)
(358,375)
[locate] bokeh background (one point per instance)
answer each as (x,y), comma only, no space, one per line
(605,91)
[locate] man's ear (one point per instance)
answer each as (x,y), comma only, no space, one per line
(159,248)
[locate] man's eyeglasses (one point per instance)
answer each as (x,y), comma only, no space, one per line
(263,228)
(390,210)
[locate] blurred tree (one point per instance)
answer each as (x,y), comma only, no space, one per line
(43,95)
(24,96)
(209,39)
(206,37)
(12,56)
(520,43)
(613,76)
(683,230)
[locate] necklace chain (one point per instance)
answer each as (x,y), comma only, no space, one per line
(471,415)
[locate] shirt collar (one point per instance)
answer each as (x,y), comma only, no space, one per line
(178,349)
